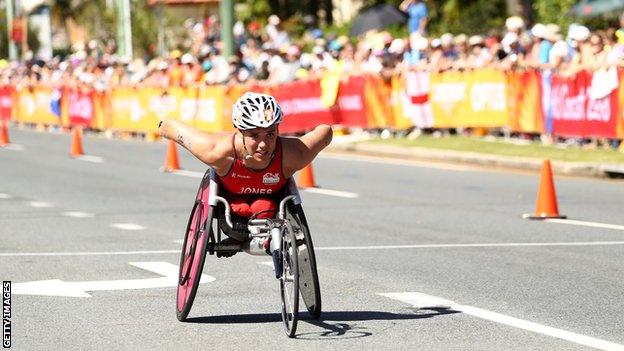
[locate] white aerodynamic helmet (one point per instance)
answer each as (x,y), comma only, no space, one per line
(253,110)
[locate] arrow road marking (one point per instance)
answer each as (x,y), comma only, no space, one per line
(56,287)
(419,300)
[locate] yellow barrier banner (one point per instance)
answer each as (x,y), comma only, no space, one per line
(449,99)
(34,106)
(469,99)
(210,115)
(128,108)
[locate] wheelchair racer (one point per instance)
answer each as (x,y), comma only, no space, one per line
(255,162)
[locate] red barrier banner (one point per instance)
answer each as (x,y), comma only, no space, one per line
(80,107)
(6,102)
(583,106)
(301,104)
(349,110)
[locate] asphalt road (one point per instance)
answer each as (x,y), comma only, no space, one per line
(473,274)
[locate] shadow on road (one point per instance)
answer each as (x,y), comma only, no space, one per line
(332,330)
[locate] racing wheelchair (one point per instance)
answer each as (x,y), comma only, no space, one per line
(290,247)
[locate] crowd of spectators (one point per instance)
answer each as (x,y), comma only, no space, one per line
(268,54)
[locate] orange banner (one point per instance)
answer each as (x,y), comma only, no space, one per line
(524,102)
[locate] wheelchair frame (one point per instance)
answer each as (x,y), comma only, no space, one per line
(211,213)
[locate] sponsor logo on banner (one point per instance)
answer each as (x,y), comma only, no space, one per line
(302,105)
(575,112)
(488,96)
(350,102)
(188,108)
(271,178)
(207,110)
(447,95)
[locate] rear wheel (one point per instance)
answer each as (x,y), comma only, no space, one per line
(308,274)
(289,283)
(193,257)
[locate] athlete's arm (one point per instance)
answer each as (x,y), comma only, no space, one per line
(212,149)
(299,152)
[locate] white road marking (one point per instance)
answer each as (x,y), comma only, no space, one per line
(127,226)
(401,162)
(191,174)
(90,158)
(331,192)
(267,263)
(14,147)
(78,214)
(428,246)
(5,196)
(179,241)
(56,287)
(419,300)
(586,224)
(92,253)
(329,248)
(40,204)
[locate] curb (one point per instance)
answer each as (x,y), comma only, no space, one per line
(583,169)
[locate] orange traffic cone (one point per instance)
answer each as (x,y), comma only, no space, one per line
(4,134)
(306,177)
(171,163)
(546,206)
(76,146)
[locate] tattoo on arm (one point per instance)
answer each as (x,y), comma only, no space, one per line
(180,140)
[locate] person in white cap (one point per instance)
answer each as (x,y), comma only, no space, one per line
(514,24)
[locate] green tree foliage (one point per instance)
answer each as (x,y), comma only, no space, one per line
(100,20)
(4,37)
(144,26)
(466,16)
(554,11)
(459,16)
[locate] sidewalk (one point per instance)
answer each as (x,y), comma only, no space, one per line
(583,169)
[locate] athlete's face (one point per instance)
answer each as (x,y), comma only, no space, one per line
(260,142)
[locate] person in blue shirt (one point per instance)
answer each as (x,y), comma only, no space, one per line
(417,15)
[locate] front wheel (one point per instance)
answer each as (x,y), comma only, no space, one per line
(193,257)
(289,282)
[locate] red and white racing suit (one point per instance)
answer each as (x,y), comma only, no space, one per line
(250,190)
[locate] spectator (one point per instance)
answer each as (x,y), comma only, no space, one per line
(417,16)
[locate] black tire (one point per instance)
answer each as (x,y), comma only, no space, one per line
(307,259)
(193,257)
(289,283)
